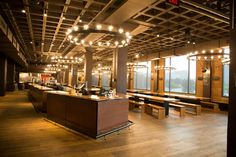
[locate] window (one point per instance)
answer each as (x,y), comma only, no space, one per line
(95,77)
(226,80)
(106,78)
(142,75)
(183,78)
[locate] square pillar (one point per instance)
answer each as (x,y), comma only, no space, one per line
(10,76)
(120,69)
(3,75)
(88,66)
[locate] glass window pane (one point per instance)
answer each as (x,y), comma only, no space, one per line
(192,77)
(226,80)
(179,76)
(167,76)
(106,78)
(142,76)
(95,79)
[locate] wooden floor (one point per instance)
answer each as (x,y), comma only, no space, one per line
(23,133)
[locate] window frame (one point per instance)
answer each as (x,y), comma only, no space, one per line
(188,82)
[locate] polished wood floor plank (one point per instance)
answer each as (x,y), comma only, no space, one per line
(23,132)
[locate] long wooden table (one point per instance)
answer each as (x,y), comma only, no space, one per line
(171,95)
(163,100)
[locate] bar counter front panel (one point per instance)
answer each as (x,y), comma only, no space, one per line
(93,117)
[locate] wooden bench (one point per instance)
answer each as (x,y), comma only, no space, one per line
(180,108)
(196,107)
(133,104)
(148,108)
(212,105)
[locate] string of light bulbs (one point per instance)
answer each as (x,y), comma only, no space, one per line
(118,36)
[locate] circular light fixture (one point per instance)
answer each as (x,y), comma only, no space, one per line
(115,37)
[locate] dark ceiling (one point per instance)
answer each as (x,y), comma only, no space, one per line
(154,24)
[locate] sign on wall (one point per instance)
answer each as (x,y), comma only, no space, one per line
(173,2)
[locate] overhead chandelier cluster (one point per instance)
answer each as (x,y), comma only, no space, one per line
(53,68)
(219,54)
(66,60)
(118,36)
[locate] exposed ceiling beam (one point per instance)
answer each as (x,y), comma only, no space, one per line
(44,24)
(26,7)
(77,20)
(18,32)
(67,2)
(201,9)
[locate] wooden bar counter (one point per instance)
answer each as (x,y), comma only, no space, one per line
(92,115)
(38,96)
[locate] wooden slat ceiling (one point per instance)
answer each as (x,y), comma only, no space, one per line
(167,26)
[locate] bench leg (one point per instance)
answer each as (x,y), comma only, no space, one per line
(216,108)
(182,112)
(131,106)
(148,110)
(161,114)
(198,110)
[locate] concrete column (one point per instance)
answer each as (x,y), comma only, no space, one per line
(66,81)
(3,75)
(154,76)
(10,76)
(231,143)
(74,74)
(120,69)
(88,66)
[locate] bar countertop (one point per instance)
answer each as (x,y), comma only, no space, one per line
(88,97)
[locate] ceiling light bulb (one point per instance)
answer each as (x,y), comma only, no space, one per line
(194,43)
(75,28)
(123,42)
(75,39)
(90,43)
(86,27)
(110,28)
(203,51)
(137,56)
(99,43)
(212,51)
(212,57)
(69,30)
(65,57)
(116,43)
(23,11)
(205,57)
(196,52)
(70,36)
(99,64)
(63,18)
(219,56)
(127,34)
(31,42)
(108,43)
(220,51)
(188,42)
(82,41)
(52,58)
(99,26)
(60,57)
(158,35)
(171,38)
(80,21)
(45,15)
(199,57)
(121,30)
